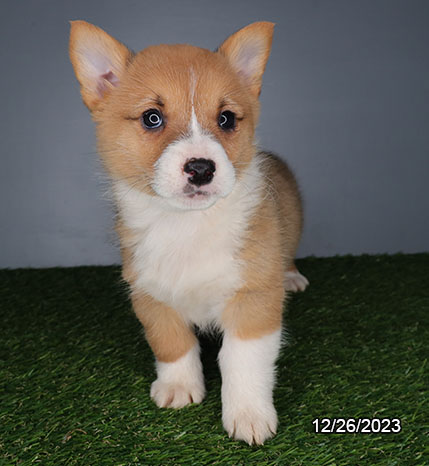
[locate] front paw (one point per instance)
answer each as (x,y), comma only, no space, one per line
(250,424)
(176,395)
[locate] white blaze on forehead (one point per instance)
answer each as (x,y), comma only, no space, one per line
(195,130)
(193,85)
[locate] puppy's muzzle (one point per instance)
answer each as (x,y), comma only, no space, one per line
(201,171)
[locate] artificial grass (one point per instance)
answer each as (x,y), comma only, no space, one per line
(75,371)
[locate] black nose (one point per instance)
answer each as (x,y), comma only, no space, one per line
(201,171)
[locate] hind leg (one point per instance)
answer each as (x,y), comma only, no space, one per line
(294,280)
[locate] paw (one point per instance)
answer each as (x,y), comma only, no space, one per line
(175,395)
(294,281)
(251,425)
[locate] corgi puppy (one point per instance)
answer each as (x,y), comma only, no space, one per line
(208,224)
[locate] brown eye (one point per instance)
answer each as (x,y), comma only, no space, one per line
(226,120)
(152,119)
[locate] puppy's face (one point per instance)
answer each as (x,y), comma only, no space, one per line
(173,121)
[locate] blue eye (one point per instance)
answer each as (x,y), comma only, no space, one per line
(227,120)
(152,119)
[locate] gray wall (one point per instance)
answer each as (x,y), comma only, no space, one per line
(345,100)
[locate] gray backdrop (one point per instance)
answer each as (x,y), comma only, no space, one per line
(345,101)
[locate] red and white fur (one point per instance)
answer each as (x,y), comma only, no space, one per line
(217,253)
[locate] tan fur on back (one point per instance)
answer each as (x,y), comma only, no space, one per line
(282,184)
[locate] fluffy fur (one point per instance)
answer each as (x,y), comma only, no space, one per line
(218,255)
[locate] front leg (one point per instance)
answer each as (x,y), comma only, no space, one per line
(247,368)
(251,343)
(180,376)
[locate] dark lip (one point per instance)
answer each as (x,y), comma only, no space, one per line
(198,194)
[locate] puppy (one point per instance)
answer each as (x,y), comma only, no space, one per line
(208,224)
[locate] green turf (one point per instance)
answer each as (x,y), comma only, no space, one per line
(75,371)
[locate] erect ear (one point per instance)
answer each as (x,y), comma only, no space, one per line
(248,50)
(98,60)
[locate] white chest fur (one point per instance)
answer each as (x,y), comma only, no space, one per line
(188,259)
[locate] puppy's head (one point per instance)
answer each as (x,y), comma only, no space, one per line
(173,121)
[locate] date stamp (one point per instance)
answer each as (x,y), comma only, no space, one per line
(357,425)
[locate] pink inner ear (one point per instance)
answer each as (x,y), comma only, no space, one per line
(105,78)
(247,59)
